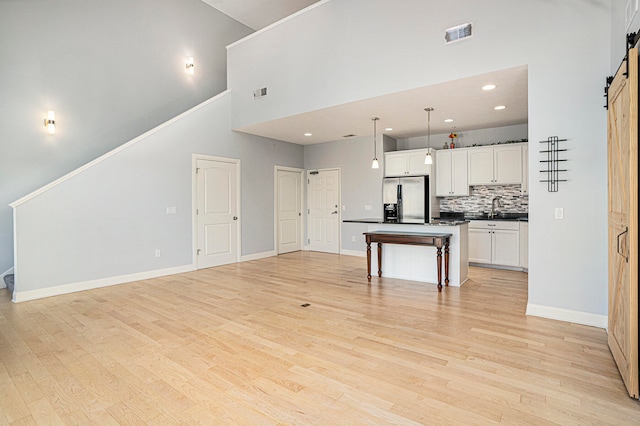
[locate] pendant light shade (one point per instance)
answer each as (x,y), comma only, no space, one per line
(374,163)
(428,159)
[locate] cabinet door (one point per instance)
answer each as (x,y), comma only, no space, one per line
(459,169)
(481,166)
(480,245)
(415,163)
(505,247)
(395,164)
(507,164)
(444,173)
(524,245)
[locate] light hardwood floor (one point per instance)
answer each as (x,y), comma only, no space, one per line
(233,345)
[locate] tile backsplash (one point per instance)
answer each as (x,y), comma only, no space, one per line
(480,197)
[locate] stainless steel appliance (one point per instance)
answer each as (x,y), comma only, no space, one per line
(412,196)
(391,212)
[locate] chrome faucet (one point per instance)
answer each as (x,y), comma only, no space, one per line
(493,206)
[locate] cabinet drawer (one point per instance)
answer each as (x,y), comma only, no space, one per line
(494,224)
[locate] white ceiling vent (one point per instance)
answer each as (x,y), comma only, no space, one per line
(459,32)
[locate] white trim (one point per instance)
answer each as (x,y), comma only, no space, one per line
(560,314)
(276,169)
(22,296)
(194,202)
(275,24)
(115,151)
(257,256)
(353,253)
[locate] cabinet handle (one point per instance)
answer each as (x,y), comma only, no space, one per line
(626,258)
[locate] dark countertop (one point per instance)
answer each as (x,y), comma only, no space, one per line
(503,216)
(435,222)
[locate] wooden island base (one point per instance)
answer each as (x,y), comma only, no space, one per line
(437,240)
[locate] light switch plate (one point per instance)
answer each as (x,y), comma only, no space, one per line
(367,208)
(171,210)
(559,213)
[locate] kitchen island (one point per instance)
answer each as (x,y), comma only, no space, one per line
(418,262)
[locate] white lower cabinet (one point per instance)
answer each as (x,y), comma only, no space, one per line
(494,242)
(524,245)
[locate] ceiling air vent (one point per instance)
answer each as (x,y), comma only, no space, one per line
(459,32)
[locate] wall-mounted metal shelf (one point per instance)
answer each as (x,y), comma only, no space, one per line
(553,162)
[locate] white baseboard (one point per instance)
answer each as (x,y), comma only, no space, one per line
(2,284)
(354,253)
(23,296)
(257,256)
(560,314)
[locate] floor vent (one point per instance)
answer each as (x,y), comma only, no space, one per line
(459,32)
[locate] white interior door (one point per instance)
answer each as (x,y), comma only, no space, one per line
(216,213)
(323,202)
(288,211)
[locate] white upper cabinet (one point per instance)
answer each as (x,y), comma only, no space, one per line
(495,165)
(451,172)
(406,163)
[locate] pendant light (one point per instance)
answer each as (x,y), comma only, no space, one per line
(374,163)
(428,159)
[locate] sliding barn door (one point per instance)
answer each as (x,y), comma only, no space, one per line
(623,221)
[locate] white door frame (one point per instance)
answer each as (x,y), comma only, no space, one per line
(194,203)
(303,192)
(306,235)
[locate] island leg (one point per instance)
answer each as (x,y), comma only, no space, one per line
(369,260)
(446,263)
(439,261)
(379,259)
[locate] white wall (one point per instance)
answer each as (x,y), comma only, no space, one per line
(343,51)
(619,32)
(108,220)
(111,70)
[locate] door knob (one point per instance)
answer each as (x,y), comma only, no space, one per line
(235,218)
(336,212)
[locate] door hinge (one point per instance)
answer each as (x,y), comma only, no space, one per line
(197,212)
(197,170)
(308,211)
(198,252)
(308,240)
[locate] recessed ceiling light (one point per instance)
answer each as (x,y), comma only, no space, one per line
(489,87)
(499,107)
(388,129)
(448,120)
(308,134)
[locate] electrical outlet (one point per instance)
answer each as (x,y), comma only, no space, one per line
(171,210)
(367,208)
(157,253)
(353,239)
(559,213)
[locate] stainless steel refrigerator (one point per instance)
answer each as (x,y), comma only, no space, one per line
(413,196)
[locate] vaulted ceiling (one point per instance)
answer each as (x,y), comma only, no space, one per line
(257,14)
(464,101)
